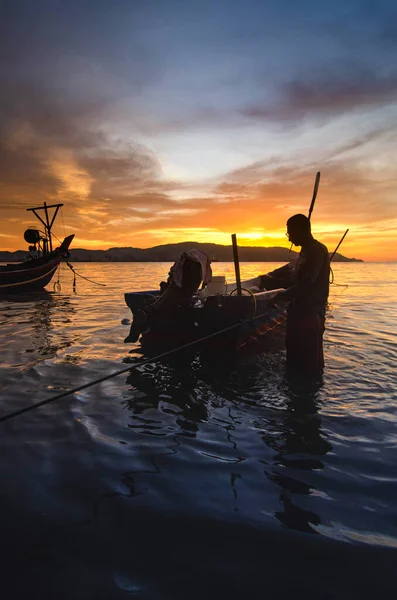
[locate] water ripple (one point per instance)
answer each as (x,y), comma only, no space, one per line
(238,442)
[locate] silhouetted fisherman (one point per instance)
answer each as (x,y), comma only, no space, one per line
(308,299)
(186,274)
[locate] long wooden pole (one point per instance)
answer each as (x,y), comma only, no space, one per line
(315,190)
(314,196)
(236,263)
(341,240)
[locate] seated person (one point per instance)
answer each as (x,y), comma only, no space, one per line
(185,277)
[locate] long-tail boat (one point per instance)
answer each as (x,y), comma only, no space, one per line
(219,316)
(34,273)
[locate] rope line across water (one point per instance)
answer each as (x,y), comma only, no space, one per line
(26,409)
(82,277)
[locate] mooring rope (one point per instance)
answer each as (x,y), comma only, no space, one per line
(82,277)
(26,409)
(75,272)
(57,284)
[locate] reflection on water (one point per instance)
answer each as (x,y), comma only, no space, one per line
(172,388)
(181,455)
(193,397)
(41,317)
(299,449)
(41,323)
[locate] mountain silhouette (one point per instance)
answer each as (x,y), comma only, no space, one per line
(170,253)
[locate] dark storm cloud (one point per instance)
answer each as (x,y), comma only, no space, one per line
(35,122)
(327,95)
(62,69)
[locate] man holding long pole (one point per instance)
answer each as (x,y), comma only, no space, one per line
(307,297)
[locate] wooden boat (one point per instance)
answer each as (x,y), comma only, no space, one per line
(37,271)
(219,318)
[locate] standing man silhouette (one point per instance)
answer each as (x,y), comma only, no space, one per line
(307,300)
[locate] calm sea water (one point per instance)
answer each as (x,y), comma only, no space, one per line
(183,481)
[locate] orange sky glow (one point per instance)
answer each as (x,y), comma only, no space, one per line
(194,141)
(256,210)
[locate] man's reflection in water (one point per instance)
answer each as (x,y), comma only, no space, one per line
(300,448)
(295,434)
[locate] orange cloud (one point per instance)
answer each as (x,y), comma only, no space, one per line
(116,193)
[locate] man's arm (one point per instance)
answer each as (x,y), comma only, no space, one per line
(308,275)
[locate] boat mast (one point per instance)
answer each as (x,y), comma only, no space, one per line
(47,223)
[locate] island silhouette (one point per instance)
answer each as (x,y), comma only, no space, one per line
(170,253)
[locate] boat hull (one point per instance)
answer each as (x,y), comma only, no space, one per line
(32,275)
(223,324)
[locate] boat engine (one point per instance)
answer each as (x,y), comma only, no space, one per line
(185,276)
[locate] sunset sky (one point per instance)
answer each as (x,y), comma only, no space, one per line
(159,121)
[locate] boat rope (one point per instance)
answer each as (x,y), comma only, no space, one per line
(82,277)
(332,282)
(57,284)
(56,237)
(252,296)
(78,274)
(79,388)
